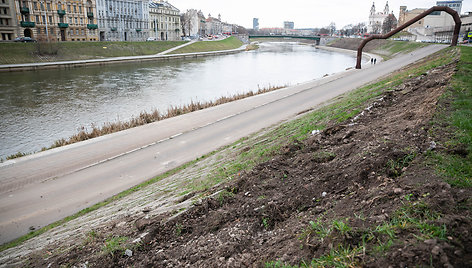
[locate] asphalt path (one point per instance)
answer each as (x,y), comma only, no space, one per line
(39,189)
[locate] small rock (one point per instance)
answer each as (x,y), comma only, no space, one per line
(32,228)
(436,250)
(324,194)
(430,241)
(314,132)
(397,190)
(432,146)
(142,223)
(128,253)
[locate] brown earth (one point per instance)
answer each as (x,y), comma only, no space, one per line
(366,173)
(353,44)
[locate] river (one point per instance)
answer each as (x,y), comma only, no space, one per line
(40,107)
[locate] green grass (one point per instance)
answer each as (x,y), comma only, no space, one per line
(457,169)
(114,245)
(347,106)
(85,211)
(268,144)
(394,47)
(12,53)
(205,46)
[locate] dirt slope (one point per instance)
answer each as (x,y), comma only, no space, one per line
(356,193)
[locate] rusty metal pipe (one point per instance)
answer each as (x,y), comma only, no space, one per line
(455,36)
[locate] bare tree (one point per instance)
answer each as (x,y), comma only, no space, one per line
(186,23)
(376,28)
(332,28)
(389,23)
(359,28)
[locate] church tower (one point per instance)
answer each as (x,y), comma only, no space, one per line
(386,10)
(372,9)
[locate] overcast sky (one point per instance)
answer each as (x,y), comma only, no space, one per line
(304,13)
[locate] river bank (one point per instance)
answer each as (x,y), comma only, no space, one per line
(62,103)
(373,202)
(115,60)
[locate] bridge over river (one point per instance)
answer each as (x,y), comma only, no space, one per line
(316,38)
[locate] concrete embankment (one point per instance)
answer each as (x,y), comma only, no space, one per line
(106,61)
(365,56)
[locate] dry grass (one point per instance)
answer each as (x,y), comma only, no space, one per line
(153,116)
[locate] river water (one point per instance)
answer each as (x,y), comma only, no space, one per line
(40,107)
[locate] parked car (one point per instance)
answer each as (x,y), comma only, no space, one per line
(24,39)
(151,39)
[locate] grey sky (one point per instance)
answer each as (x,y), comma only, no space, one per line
(305,13)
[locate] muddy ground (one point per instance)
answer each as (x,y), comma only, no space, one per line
(361,187)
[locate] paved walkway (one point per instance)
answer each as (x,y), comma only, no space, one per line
(39,189)
(177,47)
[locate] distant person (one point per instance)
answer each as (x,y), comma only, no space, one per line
(371,60)
(375,61)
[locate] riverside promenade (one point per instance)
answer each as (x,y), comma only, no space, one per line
(39,189)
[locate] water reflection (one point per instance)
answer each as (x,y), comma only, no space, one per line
(37,108)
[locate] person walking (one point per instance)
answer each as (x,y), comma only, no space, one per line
(375,61)
(371,61)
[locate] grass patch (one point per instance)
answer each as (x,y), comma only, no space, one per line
(206,46)
(455,163)
(14,53)
(392,48)
(114,245)
(249,152)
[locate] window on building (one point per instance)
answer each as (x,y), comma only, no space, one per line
(81,21)
(48,6)
(68,8)
(37,19)
(76,21)
(50,19)
(35,5)
(77,31)
(75,9)
(4,1)
(70,20)
(5,11)
(44,18)
(42,6)
(80,9)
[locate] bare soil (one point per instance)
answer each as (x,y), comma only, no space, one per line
(363,172)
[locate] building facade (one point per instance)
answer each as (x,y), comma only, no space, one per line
(214,26)
(63,20)
(164,21)
(9,29)
(376,19)
(406,15)
(289,25)
(193,23)
(255,24)
(124,20)
(454,5)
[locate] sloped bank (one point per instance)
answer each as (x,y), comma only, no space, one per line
(358,193)
(114,60)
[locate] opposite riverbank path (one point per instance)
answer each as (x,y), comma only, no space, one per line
(39,189)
